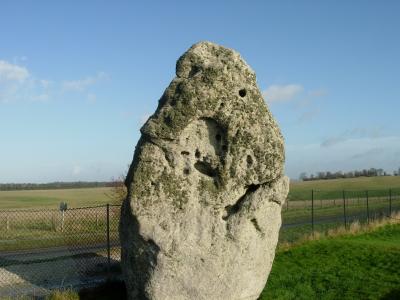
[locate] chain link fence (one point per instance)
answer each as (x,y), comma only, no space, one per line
(41,250)
(326,210)
(45,249)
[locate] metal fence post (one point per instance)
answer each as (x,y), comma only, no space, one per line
(53,221)
(108,240)
(62,220)
(312,211)
(390,202)
(366,194)
(344,210)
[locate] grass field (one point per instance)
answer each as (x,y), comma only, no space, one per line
(52,198)
(325,189)
(332,189)
(20,230)
(364,266)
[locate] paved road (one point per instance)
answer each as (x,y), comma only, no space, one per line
(36,271)
(40,254)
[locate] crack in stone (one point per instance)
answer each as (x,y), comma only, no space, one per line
(256,226)
(235,208)
(205,168)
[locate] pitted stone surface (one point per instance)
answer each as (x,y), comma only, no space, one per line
(206,186)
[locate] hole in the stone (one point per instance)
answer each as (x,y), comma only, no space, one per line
(168,120)
(205,169)
(233,209)
(222,105)
(242,93)
(249,160)
(173,102)
(194,70)
(186,171)
(224,147)
(153,183)
(185,153)
(197,154)
(218,137)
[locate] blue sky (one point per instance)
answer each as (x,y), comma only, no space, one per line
(78,79)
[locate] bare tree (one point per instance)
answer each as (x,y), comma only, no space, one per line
(118,191)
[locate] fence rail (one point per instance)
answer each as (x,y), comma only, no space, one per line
(45,249)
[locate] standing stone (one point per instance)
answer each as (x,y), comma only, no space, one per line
(206,186)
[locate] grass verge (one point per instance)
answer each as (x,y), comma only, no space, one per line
(360,263)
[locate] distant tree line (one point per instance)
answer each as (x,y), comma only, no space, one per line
(351,174)
(53,185)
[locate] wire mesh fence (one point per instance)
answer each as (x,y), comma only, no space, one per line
(325,210)
(45,249)
(41,250)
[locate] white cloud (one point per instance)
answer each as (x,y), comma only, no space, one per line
(308,115)
(371,153)
(91,97)
(359,132)
(280,93)
(12,72)
(78,85)
(41,98)
(347,155)
(45,83)
(18,84)
(333,141)
(82,84)
(76,170)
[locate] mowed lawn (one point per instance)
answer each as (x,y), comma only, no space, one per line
(364,266)
(332,188)
(51,198)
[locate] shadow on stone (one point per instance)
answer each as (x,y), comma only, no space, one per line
(139,265)
(110,290)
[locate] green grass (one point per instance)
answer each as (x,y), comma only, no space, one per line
(52,198)
(332,188)
(364,266)
(44,229)
(304,214)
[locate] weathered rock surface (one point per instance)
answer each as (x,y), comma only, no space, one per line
(206,186)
